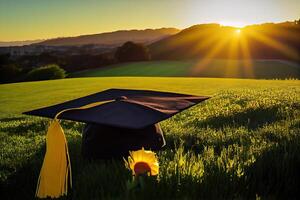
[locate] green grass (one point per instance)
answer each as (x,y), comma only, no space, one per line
(263,69)
(242,143)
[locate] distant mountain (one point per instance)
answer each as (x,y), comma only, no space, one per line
(276,41)
(113,39)
(19,43)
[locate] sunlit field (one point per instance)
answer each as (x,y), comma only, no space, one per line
(261,69)
(241,143)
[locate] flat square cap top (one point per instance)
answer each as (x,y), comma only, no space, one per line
(125,108)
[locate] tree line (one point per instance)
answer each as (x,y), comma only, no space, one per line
(53,66)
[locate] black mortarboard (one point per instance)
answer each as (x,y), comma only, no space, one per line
(118,121)
(134,109)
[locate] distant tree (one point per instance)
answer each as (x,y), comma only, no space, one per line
(9,73)
(47,72)
(130,51)
(4,59)
(84,61)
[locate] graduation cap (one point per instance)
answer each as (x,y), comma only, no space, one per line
(118,120)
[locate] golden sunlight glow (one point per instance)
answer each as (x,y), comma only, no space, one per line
(142,162)
(238,31)
(247,59)
(207,58)
(233,24)
(283,48)
(234,45)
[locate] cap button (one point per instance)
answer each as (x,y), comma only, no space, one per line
(121,98)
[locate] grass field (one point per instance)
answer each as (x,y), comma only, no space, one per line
(263,69)
(242,143)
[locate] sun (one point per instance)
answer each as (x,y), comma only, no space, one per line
(238,31)
(235,24)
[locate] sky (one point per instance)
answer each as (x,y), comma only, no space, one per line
(44,19)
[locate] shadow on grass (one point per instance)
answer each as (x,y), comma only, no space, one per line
(25,128)
(9,119)
(275,173)
(251,118)
(19,126)
(22,183)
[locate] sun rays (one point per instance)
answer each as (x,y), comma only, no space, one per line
(237,46)
(282,48)
(247,59)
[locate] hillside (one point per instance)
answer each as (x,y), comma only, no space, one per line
(262,69)
(113,39)
(265,41)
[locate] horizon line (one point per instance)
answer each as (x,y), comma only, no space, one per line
(153,28)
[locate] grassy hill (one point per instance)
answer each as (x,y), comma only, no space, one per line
(242,143)
(264,69)
(264,41)
(277,41)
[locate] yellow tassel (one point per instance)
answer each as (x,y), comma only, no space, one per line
(56,174)
(56,169)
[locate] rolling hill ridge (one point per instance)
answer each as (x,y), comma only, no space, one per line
(113,39)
